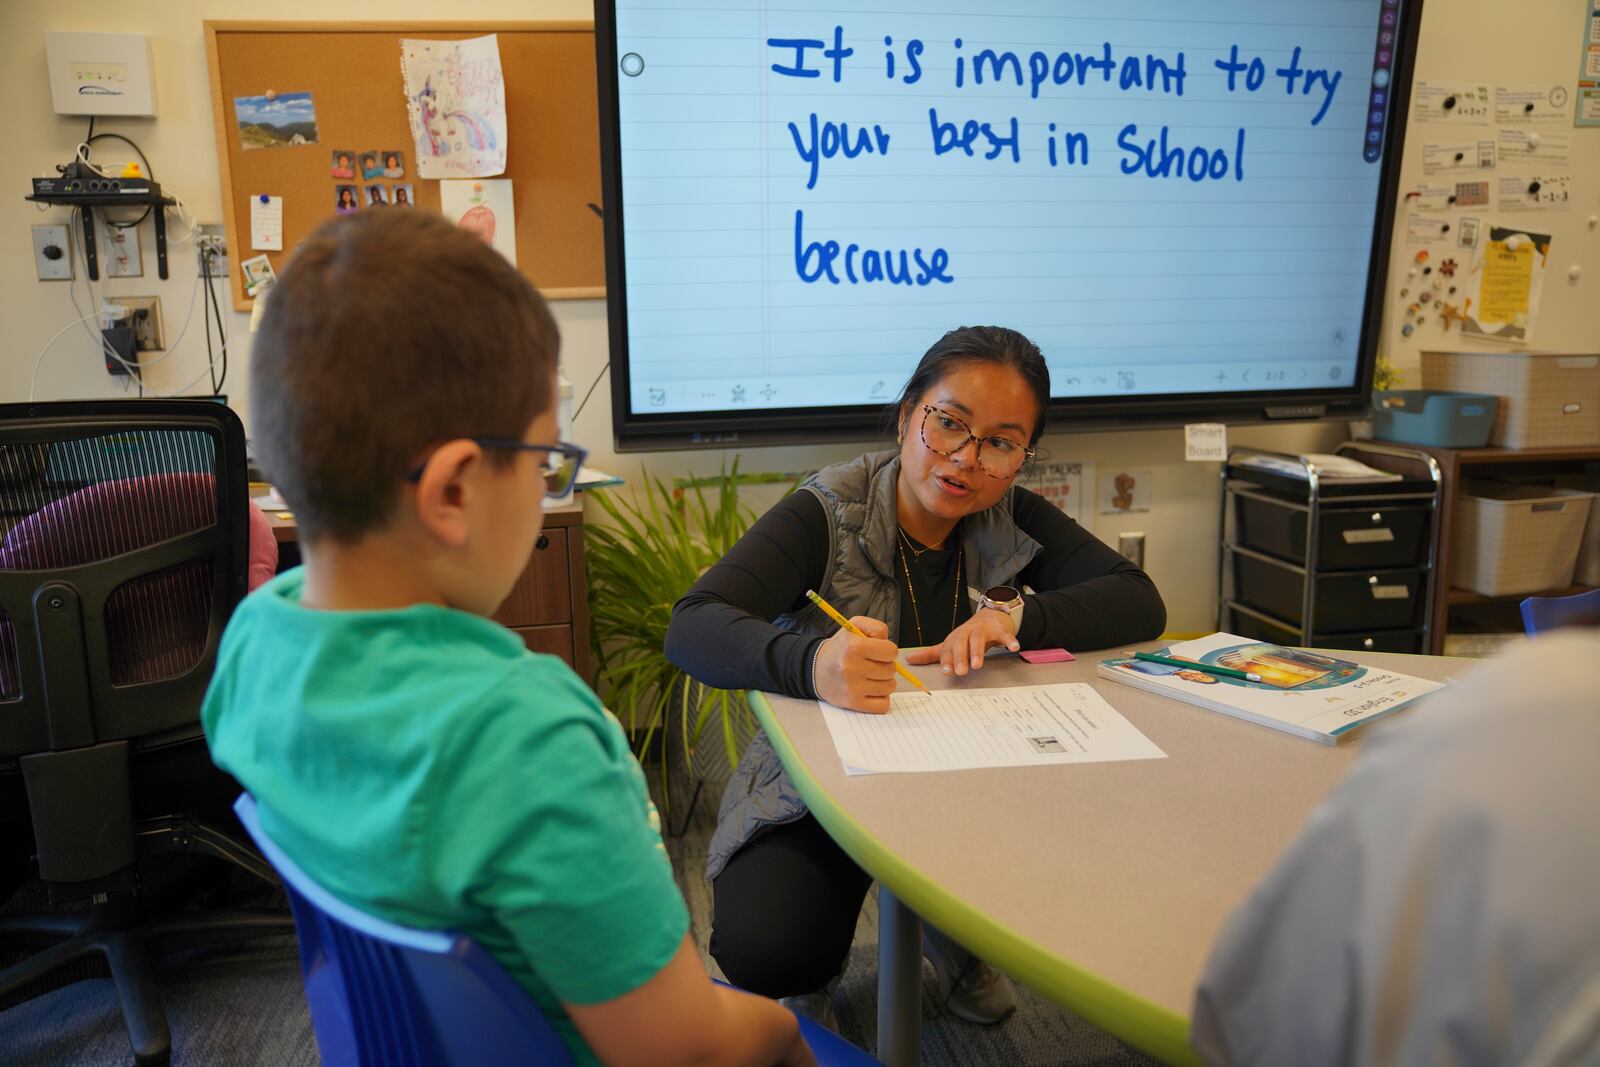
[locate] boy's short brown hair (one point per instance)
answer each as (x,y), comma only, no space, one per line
(388,333)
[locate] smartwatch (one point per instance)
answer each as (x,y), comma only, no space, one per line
(1003,598)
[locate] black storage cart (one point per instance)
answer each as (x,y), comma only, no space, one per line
(1316,561)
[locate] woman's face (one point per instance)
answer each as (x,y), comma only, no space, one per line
(993,401)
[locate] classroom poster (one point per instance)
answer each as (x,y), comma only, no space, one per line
(1506,281)
(1064,485)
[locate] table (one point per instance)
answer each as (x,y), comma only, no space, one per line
(549,606)
(1101,886)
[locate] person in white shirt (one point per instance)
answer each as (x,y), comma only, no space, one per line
(1443,905)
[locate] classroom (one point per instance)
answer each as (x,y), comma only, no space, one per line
(937,534)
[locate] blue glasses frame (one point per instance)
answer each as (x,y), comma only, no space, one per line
(558,477)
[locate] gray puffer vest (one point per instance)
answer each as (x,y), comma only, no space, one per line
(859,499)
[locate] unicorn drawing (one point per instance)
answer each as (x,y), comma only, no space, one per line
(446,130)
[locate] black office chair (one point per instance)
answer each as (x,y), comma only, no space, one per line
(124,553)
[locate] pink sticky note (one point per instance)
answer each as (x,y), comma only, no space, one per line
(1046,655)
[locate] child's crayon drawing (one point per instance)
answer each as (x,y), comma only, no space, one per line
(456,97)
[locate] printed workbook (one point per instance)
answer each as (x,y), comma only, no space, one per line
(1309,694)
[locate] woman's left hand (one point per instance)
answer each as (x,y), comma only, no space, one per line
(963,650)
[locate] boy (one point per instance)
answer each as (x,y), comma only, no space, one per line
(412,756)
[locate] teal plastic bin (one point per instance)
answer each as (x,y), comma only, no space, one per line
(1432,417)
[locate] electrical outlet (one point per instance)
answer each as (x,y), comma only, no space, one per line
(213,238)
(144,315)
(1131,545)
(52,253)
(121,251)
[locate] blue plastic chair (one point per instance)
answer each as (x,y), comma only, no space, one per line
(1540,613)
(385,995)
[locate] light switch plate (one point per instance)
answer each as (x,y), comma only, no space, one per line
(56,237)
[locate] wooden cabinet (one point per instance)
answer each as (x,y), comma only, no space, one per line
(1462,610)
(549,606)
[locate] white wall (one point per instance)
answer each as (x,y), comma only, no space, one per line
(1524,45)
(1182,527)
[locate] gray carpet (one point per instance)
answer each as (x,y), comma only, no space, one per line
(246,1007)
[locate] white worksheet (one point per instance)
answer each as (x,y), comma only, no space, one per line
(953,729)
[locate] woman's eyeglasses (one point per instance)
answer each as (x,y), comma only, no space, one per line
(998,457)
(562,461)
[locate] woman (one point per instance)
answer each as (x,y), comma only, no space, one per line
(899,540)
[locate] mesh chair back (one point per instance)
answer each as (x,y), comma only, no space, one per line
(123,548)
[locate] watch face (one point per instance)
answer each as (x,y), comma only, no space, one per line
(1002,594)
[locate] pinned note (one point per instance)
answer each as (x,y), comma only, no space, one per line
(1205,442)
(1457,102)
(266,223)
(1540,105)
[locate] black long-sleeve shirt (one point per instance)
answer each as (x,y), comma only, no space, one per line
(1087,596)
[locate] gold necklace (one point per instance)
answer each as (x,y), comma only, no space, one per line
(905,539)
(916,613)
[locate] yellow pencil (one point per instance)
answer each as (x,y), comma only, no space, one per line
(833,613)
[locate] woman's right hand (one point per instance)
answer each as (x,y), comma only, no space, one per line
(858,672)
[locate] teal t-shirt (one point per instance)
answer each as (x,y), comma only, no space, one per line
(422,765)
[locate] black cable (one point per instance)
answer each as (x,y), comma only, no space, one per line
(590,393)
(149,172)
(222,330)
(205,317)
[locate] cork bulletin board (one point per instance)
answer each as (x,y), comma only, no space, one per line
(352,70)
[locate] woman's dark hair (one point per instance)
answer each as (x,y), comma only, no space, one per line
(979,344)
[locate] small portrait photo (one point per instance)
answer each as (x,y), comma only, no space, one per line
(1198,677)
(394,164)
(345,201)
(405,196)
(377,196)
(370,167)
(344,164)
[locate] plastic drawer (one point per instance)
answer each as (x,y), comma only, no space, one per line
(1347,539)
(1363,641)
(1387,599)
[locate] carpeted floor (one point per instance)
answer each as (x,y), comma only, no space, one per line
(246,1007)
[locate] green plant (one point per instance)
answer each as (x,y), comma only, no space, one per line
(1384,376)
(658,541)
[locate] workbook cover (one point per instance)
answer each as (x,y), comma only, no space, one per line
(1321,697)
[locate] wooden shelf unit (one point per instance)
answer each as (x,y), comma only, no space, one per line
(1455,466)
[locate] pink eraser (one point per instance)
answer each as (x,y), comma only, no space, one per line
(1046,655)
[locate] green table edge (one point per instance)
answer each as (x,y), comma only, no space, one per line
(1146,1026)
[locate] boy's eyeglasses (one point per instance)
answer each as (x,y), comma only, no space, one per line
(996,456)
(562,461)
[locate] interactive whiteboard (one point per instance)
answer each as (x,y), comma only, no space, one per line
(1183,204)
